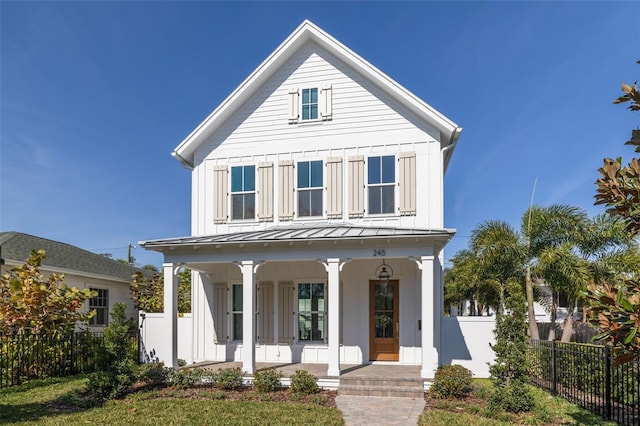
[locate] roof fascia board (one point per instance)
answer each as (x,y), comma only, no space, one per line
(308,31)
(53,269)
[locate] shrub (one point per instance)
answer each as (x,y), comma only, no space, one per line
(181,362)
(304,383)
(228,378)
(186,378)
(267,380)
(451,382)
(117,361)
(153,374)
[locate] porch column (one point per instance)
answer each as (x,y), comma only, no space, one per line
(333,268)
(171,314)
(248,317)
(428,300)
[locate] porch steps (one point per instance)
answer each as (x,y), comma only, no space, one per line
(379,386)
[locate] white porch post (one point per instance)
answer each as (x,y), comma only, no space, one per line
(333,269)
(171,313)
(428,301)
(248,317)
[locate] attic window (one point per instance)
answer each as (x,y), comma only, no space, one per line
(310,104)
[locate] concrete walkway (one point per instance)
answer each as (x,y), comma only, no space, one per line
(378,410)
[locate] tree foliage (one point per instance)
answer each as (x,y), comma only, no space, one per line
(615,306)
(148,293)
(29,302)
(509,372)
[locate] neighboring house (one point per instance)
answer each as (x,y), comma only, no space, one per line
(82,269)
(317,217)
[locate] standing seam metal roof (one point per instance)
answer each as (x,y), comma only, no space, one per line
(306,232)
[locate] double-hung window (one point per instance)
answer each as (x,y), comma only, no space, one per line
(309,188)
(236,311)
(311,312)
(243,192)
(100,304)
(381,183)
(310,104)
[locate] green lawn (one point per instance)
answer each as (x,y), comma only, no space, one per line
(56,402)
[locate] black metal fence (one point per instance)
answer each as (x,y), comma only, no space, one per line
(26,355)
(585,375)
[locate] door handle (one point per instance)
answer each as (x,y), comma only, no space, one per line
(397,330)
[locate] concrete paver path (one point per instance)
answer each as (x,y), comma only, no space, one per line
(379,410)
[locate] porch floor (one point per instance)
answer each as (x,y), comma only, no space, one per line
(385,370)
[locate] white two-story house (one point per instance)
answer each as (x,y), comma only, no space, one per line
(317,216)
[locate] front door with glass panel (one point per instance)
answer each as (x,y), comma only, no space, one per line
(384,325)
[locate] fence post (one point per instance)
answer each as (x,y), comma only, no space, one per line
(73,353)
(607,381)
(554,368)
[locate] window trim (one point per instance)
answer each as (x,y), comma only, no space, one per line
(324,312)
(95,308)
(393,184)
(233,313)
(320,188)
(318,116)
(243,192)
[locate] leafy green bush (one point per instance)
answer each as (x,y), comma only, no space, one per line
(304,383)
(117,362)
(153,374)
(228,378)
(267,380)
(514,399)
(186,378)
(452,382)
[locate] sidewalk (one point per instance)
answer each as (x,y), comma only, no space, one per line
(377,410)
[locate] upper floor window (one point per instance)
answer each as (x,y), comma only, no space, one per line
(243,192)
(381,183)
(100,304)
(309,188)
(310,104)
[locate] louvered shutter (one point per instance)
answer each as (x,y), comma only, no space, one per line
(265,312)
(407,183)
(285,179)
(334,187)
(285,311)
(265,192)
(326,100)
(220,313)
(356,186)
(293,106)
(220,194)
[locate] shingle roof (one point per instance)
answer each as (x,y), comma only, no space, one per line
(317,231)
(16,248)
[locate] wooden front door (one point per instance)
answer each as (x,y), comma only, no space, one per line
(384,320)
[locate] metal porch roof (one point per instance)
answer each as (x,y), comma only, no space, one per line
(314,231)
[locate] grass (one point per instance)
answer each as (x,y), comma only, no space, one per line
(548,410)
(59,402)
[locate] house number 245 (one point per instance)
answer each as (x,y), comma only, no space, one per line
(379,252)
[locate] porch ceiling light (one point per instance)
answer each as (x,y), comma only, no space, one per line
(384,272)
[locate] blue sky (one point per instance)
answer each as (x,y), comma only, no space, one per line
(94,96)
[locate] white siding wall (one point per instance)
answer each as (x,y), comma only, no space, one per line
(365,122)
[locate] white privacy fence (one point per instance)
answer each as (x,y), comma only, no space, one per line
(464,340)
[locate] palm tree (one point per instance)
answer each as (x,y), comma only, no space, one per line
(500,256)
(545,229)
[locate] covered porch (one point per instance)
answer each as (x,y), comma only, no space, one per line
(310,296)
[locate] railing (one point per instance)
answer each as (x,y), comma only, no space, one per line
(585,375)
(26,355)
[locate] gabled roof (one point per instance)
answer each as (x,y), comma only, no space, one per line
(449,131)
(16,248)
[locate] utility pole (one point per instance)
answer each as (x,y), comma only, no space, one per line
(130,258)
